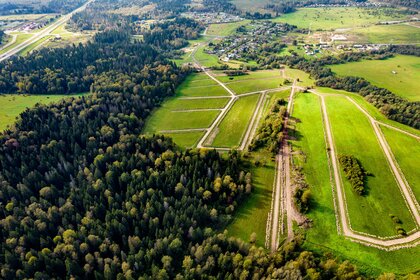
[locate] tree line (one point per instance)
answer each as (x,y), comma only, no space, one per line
(354,172)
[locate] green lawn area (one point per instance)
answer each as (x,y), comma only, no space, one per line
(12,105)
(246,86)
(177,104)
(379,72)
(186,139)
(205,59)
(388,34)
(165,119)
(322,237)
(252,75)
(251,216)
(406,150)
(20,38)
(232,128)
(225,29)
(185,90)
(338,17)
(372,110)
(34,45)
(304,79)
(353,135)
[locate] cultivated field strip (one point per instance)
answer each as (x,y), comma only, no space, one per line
(391,244)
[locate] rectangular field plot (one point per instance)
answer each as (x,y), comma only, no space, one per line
(164,119)
(302,78)
(251,215)
(406,150)
(186,139)
(177,104)
(252,75)
(399,74)
(353,135)
(232,128)
(186,91)
(385,34)
(309,139)
(255,85)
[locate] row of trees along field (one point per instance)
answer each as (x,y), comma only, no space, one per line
(392,106)
(270,133)
(39,7)
(84,196)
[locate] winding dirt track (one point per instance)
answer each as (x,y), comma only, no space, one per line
(391,244)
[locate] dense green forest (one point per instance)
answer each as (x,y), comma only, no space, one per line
(40,7)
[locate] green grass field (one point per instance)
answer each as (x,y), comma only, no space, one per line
(388,34)
(322,237)
(255,85)
(338,17)
(372,110)
(186,139)
(303,78)
(225,29)
(205,59)
(353,135)
(12,105)
(33,46)
(379,72)
(251,216)
(186,90)
(164,119)
(177,104)
(235,123)
(252,75)
(19,39)
(406,150)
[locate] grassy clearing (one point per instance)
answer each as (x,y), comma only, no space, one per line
(379,72)
(234,125)
(12,105)
(247,86)
(205,59)
(225,29)
(33,46)
(187,91)
(251,5)
(176,104)
(338,17)
(303,78)
(388,34)
(19,39)
(251,216)
(372,110)
(406,150)
(353,135)
(322,237)
(253,75)
(165,119)
(186,139)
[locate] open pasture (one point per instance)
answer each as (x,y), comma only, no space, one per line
(232,128)
(388,34)
(225,29)
(12,105)
(353,135)
(338,17)
(251,75)
(322,236)
(399,74)
(186,139)
(406,150)
(247,86)
(188,91)
(177,104)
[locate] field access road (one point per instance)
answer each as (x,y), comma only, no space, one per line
(390,244)
(41,34)
(283,192)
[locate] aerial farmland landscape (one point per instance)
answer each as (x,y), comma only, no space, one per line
(209,139)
